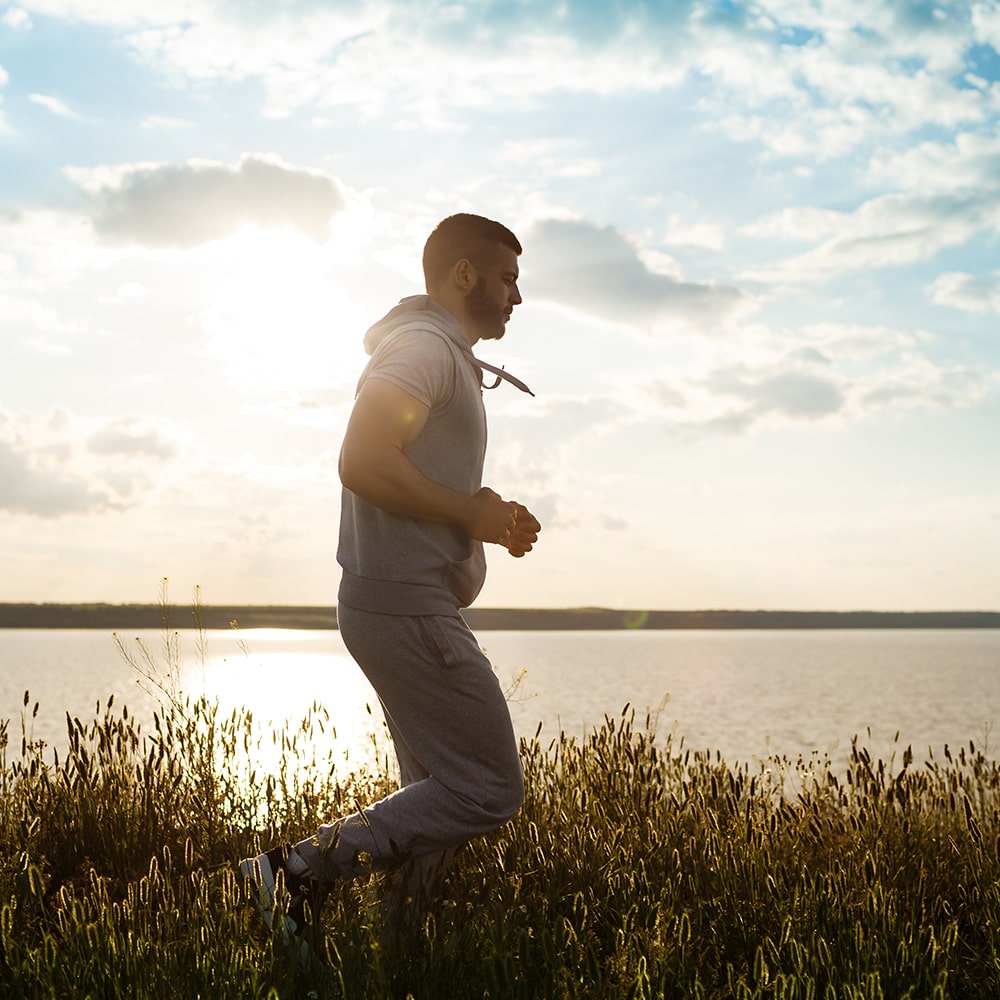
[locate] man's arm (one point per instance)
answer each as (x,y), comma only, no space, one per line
(373,465)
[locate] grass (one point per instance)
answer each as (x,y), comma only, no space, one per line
(636,868)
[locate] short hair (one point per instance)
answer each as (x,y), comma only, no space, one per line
(472,237)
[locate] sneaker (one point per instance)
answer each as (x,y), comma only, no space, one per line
(261,876)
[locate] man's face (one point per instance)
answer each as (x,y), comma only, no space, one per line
(494,295)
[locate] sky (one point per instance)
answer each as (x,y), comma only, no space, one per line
(761,288)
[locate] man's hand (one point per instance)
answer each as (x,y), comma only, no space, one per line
(504,522)
(524,534)
(493,519)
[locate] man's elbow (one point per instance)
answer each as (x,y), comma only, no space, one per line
(362,475)
(351,474)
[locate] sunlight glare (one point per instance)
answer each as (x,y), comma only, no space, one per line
(281,317)
(278,685)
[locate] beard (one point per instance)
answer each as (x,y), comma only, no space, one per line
(490,318)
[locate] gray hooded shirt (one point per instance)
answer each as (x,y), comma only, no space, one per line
(400,565)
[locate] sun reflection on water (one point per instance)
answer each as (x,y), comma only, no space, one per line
(278,675)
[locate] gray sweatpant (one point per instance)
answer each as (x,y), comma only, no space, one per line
(458,758)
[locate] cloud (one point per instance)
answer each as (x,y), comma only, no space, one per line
(53,104)
(694,235)
(821,80)
(822,374)
(886,231)
(59,464)
(132,436)
(881,367)
(418,62)
(970,162)
(735,397)
(26,488)
(45,250)
(197,202)
(16,18)
(945,193)
(813,80)
(928,386)
(798,395)
(852,345)
(595,268)
(36,323)
(556,157)
(968,292)
(986,21)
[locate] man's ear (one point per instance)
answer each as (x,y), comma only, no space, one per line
(464,274)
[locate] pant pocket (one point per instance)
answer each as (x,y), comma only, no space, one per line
(438,640)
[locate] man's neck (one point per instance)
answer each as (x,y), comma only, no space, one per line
(457,311)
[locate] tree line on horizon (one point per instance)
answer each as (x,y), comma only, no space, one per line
(155,616)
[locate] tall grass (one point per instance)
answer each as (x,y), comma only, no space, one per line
(636,868)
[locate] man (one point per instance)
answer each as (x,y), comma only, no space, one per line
(414,519)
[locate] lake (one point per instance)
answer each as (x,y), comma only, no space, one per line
(747,694)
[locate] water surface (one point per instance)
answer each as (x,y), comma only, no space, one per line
(746,693)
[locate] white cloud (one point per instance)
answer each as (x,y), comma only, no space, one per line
(48,250)
(60,464)
(946,192)
(57,106)
(886,231)
(132,436)
(862,72)
(722,392)
(827,373)
(127,292)
(970,162)
(968,292)
(590,267)
(935,34)
(36,323)
(798,395)
(44,491)
(196,202)
(283,47)
(416,62)
(924,384)
(805,223)
(694,235)
(419,61)
(16,18)
(115,13)
(986,21)
(555,157)
(852,344)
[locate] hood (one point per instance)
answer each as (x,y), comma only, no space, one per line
(423,311)
(417,310)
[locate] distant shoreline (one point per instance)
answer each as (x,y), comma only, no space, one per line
(118,617)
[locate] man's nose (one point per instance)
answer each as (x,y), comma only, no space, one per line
(515,296)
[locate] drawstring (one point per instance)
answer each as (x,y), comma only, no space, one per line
(502,376)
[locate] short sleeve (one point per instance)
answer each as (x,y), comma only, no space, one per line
(419,362)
